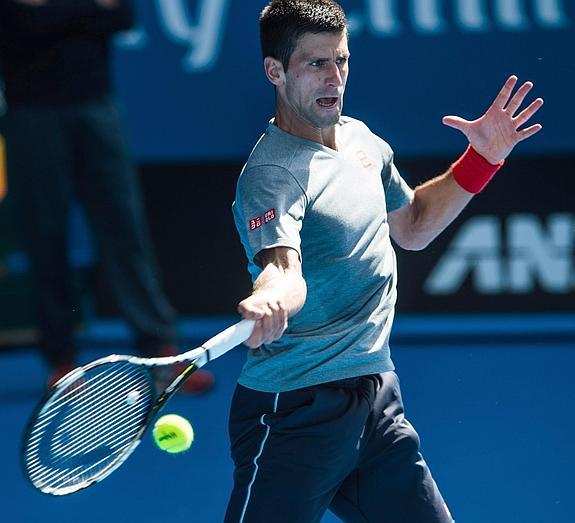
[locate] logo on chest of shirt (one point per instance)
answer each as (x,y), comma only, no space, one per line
(258,221)
(364,159)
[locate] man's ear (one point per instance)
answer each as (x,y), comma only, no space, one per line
(274,71)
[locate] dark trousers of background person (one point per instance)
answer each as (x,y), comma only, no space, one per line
(55,154)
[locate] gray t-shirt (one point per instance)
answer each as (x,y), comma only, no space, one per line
(331,207)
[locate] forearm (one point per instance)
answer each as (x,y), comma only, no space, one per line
(439,201)
(279,292)
(435,205)
(284,286)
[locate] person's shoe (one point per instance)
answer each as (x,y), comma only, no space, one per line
(58,371)
(199,382)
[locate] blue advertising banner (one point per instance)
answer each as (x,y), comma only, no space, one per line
(191,80)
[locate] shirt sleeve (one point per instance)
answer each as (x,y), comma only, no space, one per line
(268,210)
(398,193)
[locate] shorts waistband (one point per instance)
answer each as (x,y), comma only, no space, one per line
(347,383)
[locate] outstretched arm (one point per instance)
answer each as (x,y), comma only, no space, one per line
(278,293)
(491,138)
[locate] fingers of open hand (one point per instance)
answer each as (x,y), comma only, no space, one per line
(497,132)
(508,105)
(456,122)
(501,114)
(529,131)
(528,112)
(505,94)
(518,98)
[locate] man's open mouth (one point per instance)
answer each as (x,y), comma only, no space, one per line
(327,102)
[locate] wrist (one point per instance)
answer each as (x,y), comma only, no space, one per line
(472,172)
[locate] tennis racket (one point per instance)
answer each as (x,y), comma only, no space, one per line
(94,417)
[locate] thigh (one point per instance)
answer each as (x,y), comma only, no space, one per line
(39,180)
(291,452)
(38,166)
(105,179)
(392,483)
(110,192)
(102,157)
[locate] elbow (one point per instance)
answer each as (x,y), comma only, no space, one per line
(409,229)
(413,234)
(413,238)
(413,243)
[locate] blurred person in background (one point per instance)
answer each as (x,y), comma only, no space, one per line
(63,142)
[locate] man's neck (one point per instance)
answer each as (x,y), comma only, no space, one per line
(293,125)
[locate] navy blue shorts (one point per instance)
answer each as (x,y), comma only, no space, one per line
(342,445)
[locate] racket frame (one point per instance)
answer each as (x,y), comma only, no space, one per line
(196,358)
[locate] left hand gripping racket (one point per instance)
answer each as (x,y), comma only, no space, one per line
(94,417)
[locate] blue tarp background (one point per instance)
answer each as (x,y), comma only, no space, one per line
(193,87)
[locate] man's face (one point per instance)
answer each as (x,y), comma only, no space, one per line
(316,78)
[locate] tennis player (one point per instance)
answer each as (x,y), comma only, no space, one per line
(317,419)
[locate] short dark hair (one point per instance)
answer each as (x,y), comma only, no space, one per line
(283,22)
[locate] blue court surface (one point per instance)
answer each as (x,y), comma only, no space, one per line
(492,399)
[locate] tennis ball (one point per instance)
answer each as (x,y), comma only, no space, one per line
(173,433)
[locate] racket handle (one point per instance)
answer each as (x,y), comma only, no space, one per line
(229,338)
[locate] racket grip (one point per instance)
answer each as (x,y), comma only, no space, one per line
(228,339)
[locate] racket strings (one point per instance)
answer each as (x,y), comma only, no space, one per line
(85,393)
(87,426)
(89,408)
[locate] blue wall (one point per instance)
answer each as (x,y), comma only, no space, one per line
(192,82)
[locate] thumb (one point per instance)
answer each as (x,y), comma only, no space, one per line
(456,122)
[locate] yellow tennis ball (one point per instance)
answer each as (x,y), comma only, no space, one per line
(173,433)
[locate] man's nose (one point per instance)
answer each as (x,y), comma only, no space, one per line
(334,77)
